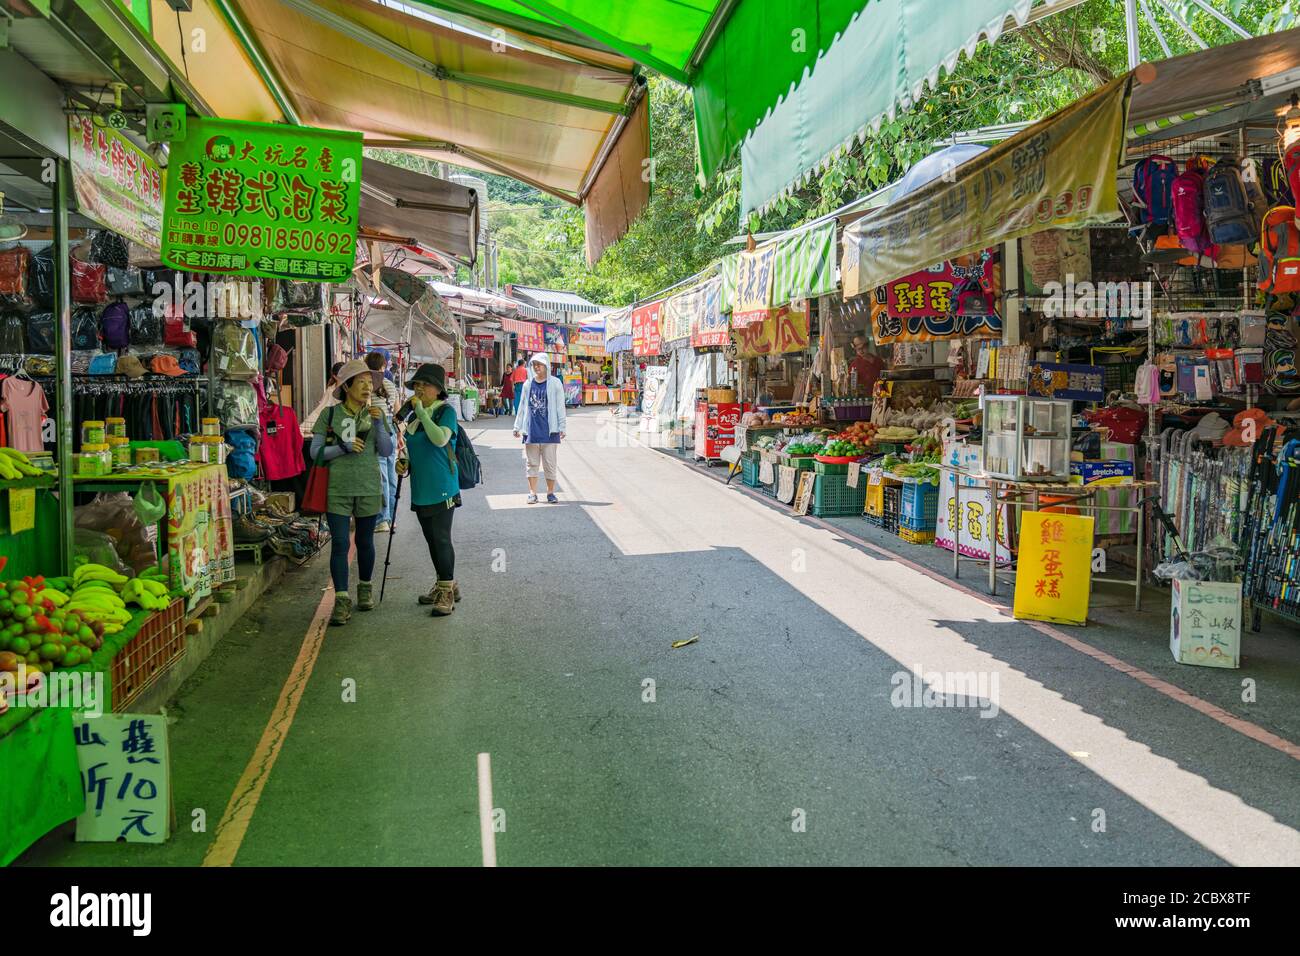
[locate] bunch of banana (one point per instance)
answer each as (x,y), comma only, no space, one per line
(54,596)
(14,464)
(97,572)
(147,594)
(96,601)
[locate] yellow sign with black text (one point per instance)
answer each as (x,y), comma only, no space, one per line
(1054,569)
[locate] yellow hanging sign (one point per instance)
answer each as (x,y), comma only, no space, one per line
(1054,569)
(22,509)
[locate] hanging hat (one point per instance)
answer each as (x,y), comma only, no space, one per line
(347,373)
(165,365)
(431,373)
(130,366)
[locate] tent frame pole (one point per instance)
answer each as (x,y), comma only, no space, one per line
(63,359)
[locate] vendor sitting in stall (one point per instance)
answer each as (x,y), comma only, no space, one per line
(867,366)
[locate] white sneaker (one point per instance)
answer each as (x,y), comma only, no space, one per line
(383,527)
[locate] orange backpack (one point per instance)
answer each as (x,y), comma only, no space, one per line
(1279,251)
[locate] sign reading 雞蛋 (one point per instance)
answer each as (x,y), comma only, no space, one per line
(263,199)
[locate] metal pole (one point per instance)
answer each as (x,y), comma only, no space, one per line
(63,359)
(1131,33)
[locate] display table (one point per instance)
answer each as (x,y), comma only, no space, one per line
(1043,496)
(197,531)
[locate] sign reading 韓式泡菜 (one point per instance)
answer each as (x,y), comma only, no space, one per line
(263,199)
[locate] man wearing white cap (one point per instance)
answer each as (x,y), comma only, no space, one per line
(541,421)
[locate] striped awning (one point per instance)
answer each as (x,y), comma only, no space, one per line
(804,267)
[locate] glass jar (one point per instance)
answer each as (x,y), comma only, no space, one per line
(146,456)
(92,433)
(120,449)
(198,449)
(94,460)
(212,426)
(115,428)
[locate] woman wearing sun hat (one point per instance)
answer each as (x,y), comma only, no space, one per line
(350,438)
(431,452)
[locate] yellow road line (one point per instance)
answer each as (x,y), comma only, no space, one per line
(229,835)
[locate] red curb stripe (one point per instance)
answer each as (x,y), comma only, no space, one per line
(1213,711)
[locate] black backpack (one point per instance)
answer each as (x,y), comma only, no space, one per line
(469,472)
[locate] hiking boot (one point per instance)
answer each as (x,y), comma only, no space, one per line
(365,596)
(342,609)
(444,601)
(431,596)
(455,590)
(383,527)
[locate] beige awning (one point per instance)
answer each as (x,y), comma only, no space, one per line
(434,212)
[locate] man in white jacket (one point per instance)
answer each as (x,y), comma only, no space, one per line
(541,421)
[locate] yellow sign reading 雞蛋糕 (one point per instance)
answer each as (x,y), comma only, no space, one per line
(1054,569)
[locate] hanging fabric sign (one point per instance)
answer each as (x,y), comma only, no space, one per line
(618,330)
(709,326)
(263,199)
(645,329)
(478,346)
(117,184)
(1057,173)
(753,286)
(529,338)
(931,292)
(781,332)
(686,311)
(556,338)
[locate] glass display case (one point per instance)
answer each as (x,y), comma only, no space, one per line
(1026,439)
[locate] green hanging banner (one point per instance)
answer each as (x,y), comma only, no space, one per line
(263,199)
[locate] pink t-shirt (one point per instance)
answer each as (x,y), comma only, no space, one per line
(280,450)
(25,405)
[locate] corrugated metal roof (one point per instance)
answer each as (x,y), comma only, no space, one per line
(556,299)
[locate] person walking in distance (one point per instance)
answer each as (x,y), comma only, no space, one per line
(435,488)
(351,437)
(508,391)
(541,421)
(520,378)
(383,388)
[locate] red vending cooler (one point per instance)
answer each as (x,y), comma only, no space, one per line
(715,428)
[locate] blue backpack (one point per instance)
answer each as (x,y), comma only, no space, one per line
(1153,180)
(468,470)
(1227,210)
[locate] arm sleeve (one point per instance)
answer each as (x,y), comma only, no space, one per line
(562,414)
(437,434)
(384,437)
(334,451)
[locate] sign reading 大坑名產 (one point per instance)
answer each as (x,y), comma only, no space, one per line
(263,199)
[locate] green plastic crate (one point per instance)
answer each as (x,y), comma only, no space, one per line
(749,472)
(832,496)
(830,468)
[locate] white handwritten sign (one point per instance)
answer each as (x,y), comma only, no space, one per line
(126,776)
(855,468)
(803,499)
(1205,623)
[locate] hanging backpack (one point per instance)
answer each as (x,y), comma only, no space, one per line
(1291,168)
(1279,252)
(115,326)
(146,327)
(85,330)
(1189,212)
(1153,180)
(13,335)
(1272,180)
(1227,210)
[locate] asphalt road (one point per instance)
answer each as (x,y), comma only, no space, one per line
(791,732)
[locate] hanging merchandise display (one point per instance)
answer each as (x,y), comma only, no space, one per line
(263,199)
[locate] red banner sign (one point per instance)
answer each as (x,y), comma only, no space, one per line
(645,329)
(478,346)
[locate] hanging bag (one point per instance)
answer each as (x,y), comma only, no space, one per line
(315,498)
(85,329)
(115,326)
(1153,180)
(1228,213)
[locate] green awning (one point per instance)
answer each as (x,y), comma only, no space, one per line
(881,65)
(804,267)
(739,58)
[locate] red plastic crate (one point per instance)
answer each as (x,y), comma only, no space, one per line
(159,644)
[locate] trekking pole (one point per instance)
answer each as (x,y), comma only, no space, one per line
(392,527)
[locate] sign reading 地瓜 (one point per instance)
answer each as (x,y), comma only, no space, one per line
(1058,173)
(117,184)
(263,199)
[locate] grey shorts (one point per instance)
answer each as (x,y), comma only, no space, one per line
(359,506)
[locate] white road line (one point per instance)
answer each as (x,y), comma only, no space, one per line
(486,833)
